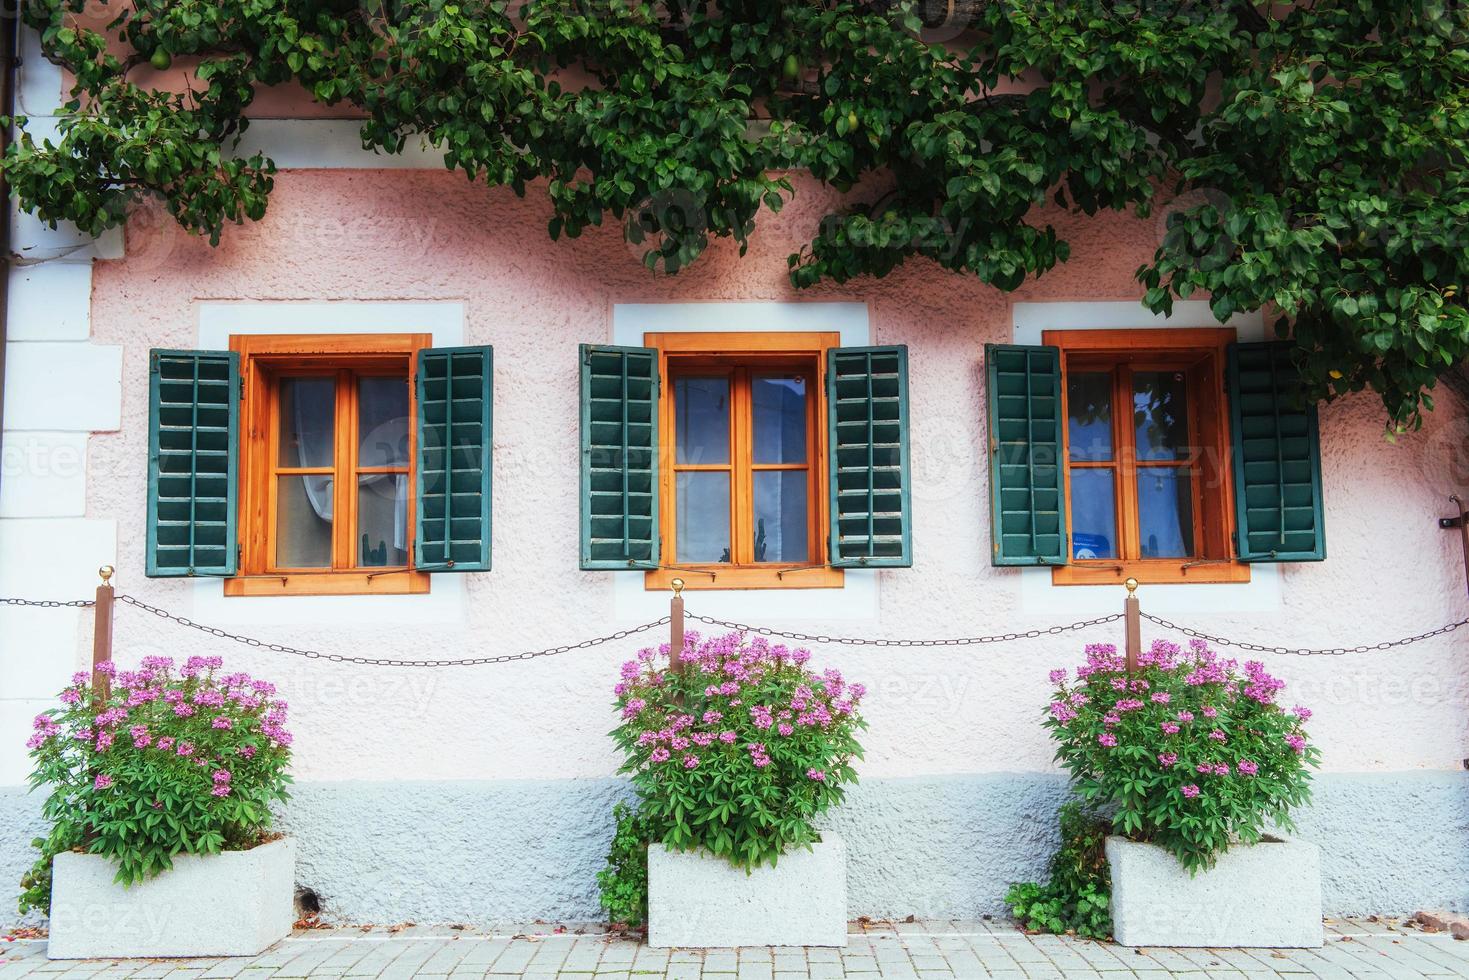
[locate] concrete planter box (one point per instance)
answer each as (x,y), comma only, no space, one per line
(236,903)
(1262,895)
(698,901)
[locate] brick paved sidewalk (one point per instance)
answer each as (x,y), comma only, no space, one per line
(877,951)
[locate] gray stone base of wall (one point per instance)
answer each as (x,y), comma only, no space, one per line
(935,847)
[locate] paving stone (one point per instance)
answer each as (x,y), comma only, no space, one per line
(976,950)
(716,961)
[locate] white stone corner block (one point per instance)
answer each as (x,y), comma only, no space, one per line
(1261,895)
(237,903)
(63,387)
(51,301)
(56,558)
(35,240)
(44,474)
(698,901)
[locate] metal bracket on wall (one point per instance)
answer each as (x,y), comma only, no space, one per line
(1460,524)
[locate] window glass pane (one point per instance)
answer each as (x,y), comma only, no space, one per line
(702,424)
(303,522)
(382,519)
(1089,415)
(703,517)
(780,515)
(308,419)
(780,418)
(1093,514)
(1160,415)
(1165,512)
(382,421)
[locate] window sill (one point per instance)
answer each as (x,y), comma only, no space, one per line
(399,582)
(1151,573)
(746,577)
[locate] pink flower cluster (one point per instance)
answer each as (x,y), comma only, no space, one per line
(721,705)
(232,714)
(1170,690)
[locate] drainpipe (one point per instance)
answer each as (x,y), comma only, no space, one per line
(9,42)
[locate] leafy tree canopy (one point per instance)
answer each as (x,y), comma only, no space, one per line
(1309,157)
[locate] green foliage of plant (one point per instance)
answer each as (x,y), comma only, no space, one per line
(164,764)
(740,748)
(1308,158)
(624,882)
(1188,751)
(1076,897)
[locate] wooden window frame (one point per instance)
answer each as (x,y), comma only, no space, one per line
(1202,354)
(739,353)
(263,360)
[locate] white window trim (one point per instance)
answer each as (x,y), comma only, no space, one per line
(1263,593)
(857,598)
(445,602)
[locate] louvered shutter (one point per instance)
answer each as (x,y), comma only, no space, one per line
(454,388)
(193,460)
(619,457)
(867,428)
(1027,485)
(1277,457)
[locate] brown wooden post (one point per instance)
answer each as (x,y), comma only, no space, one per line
(675,625)
(1462,523)
(1132,616)
(102,632)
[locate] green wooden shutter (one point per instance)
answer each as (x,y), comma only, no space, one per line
(1277,458)
(455,392)
(1027,481)
(867,428)
(193,461)
(619,457)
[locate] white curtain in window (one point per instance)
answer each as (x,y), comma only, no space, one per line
(316,404)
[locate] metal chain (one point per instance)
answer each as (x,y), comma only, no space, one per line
(386,661)
(744,628)
(1304,651)
(879,642)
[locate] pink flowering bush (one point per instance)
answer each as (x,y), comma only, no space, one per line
(740,749)
(1190,751)
(171,761)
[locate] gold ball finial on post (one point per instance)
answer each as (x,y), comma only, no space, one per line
(1131,586)
(106,573)
(677,585)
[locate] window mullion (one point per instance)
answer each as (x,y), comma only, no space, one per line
(345,468)
(815,486)
(410,541)
(1124,438)
(267,537)
(1194,392)
(1068,503)
(741,550)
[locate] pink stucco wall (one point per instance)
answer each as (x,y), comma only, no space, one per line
(379,235)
